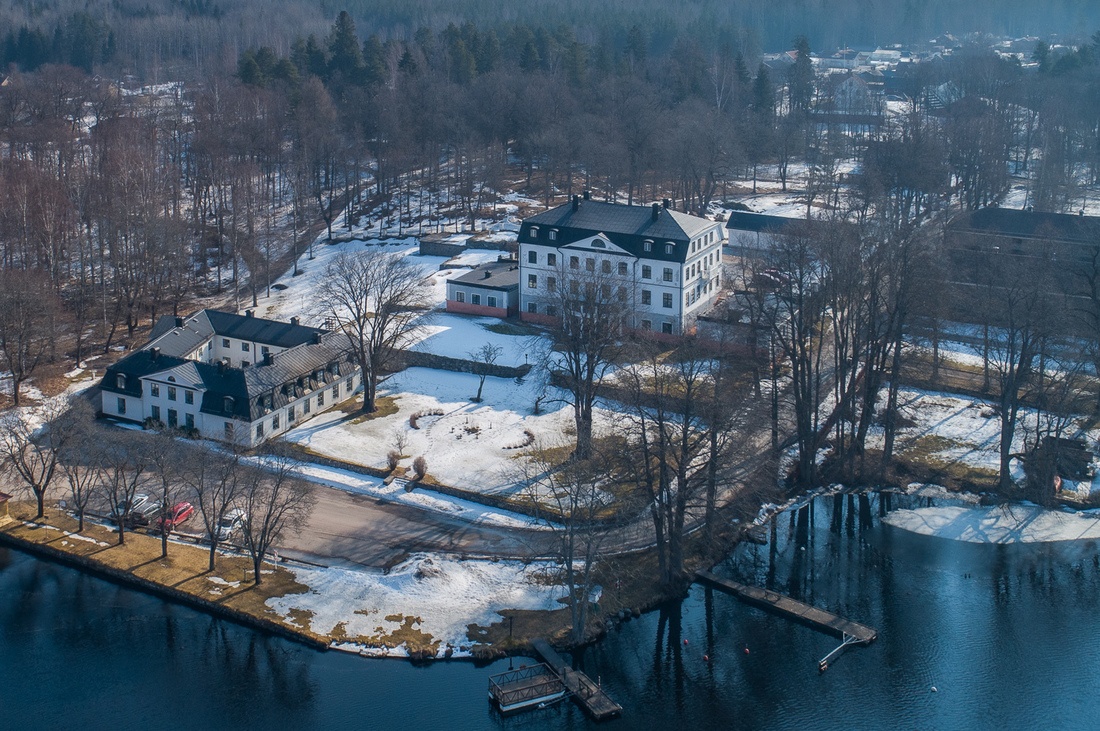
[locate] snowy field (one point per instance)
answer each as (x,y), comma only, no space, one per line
(455,336)
(466,446)
(966,430)
(1008,523)
(445,594)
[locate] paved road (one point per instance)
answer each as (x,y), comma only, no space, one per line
(355,529)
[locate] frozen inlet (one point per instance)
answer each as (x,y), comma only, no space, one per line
(529,686)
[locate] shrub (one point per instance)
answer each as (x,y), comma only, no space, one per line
(392,458)
(420,467)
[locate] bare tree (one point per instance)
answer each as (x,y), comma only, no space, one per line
(378,301)
(591,304)
(32,449)
(28,324)
(126,465)
(82,459)
(485,357)
(168,457)
(577,495)
(215,484)
(275,502)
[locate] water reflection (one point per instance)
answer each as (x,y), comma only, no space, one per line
(1006,633)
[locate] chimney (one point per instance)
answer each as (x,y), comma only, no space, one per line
(221,366)
(587,194)
(294,321)
(269,358)
(248,313)
(179,322)
(666,203)
(656,211)
(317,338)
(487,274)
(154,353)
(576,202)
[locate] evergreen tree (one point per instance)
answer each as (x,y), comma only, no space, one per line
(763,94)
(800,77)
(345,57)
(374,61)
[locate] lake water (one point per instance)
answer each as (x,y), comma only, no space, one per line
(1009,636)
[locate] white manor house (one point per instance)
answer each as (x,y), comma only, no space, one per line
(666,264)
(234,378)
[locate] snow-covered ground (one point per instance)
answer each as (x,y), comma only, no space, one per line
(360,484)
(455,336)
(968,427)
(466,446)
(1008,523)
(445,594)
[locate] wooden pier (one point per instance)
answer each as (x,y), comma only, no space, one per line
(850,633)
(589,695)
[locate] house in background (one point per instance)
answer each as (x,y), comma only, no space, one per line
(490,289)
(234,378)
(665,264)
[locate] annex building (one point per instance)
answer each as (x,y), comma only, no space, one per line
(234,378)
(664,264)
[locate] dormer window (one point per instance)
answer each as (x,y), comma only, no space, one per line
(647,246)
(670,248)
(120,380)
(552,235)
(533,232)
(228,404)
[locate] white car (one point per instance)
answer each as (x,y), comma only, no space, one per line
(230,523)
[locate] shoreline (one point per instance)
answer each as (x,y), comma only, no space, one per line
(273,611)
(127,579)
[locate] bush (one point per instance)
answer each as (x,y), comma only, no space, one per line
(392,458)
(420,467)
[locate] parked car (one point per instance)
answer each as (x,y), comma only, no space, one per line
(178,514)
(147,513)
(230,523)
(124,508)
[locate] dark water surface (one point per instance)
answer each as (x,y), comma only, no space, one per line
(1009,636)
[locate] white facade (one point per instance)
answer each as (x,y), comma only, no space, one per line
(665,295)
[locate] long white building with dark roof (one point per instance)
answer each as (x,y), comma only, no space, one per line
(234,378)
(667,264)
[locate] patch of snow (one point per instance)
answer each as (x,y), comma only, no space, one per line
(465,447)
(454,594)
(222,582)
(1009,523)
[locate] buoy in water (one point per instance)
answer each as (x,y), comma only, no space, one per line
(685,642)
(935,689)
(706,658)
(746,651)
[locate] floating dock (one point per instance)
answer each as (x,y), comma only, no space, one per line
(530,686)
(851,633)
(589,695)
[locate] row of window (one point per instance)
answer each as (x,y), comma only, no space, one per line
(173,416)
(475,299)
(552,311)
(551,259)
(666,299)
(552,234)
(245,347)
(188,396)
(666,327)
(291,414)
(703,241)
